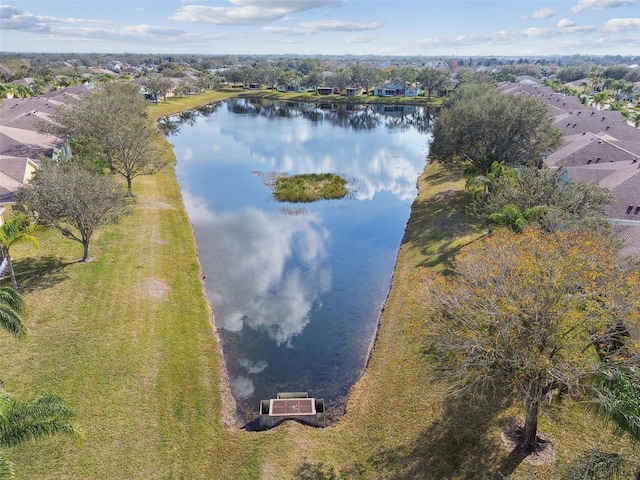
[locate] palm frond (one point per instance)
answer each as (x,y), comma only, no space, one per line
(42,416)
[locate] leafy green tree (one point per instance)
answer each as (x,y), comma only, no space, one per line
(18,230)
(340,81)
(158,86)
(114,125)
(432,79)
(524,316)
(479,125)
(568,204)
(365,76)
(73,200)
(511,217)
(486,183)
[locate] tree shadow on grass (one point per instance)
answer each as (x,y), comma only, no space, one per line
(459,444)
(438,224)
(39,273)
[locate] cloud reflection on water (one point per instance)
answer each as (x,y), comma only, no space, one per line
(272,263)
(374,167)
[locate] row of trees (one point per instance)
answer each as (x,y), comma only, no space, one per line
(111,135)
(545,307)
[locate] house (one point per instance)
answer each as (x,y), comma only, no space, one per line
(114,66)
(325,90)
(292,87)
(396,90)
(354,91)
(255,86)
(599,146)
(22,145)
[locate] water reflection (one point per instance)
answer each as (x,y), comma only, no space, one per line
(348,115)
(272,263)
(297,291)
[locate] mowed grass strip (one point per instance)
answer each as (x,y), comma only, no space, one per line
(310,187)
(127,340)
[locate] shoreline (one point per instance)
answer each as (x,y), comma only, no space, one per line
(229,414)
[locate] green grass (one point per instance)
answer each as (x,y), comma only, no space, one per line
(309,187)
(127,340)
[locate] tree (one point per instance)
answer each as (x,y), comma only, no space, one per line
(364,76)
(340,81)
(479,125)
(113,124)
(529,315)
(511,217)
(16,231)
(568,204)
(599,99)
(73,200)
(432,79)
(158,86)
(313,80)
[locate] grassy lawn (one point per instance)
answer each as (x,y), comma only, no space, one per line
(128,341)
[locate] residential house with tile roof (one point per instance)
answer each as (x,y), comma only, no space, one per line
(599,146)
(21,144)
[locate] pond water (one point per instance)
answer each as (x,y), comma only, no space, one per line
(297,288)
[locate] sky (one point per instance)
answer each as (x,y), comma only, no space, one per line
(323,27)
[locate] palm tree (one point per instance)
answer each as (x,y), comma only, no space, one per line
(12,306)
(599,99)
(486,182)
(515,219)
(20,421)
(15,232)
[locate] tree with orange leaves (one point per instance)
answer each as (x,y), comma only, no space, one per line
(532,314)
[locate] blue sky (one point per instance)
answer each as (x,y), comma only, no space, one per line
(380,27)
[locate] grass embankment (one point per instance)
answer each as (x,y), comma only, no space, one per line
(127,341)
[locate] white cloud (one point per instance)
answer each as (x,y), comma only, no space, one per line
(541,14)
(285,30)
(247,12)
(618,24)
(311,28)
(355,38)
(502,37)
(12,18)
(600,4)
(565,22)
(339,26)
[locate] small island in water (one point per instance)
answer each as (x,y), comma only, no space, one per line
(309,187)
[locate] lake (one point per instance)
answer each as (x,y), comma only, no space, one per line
(297,288)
